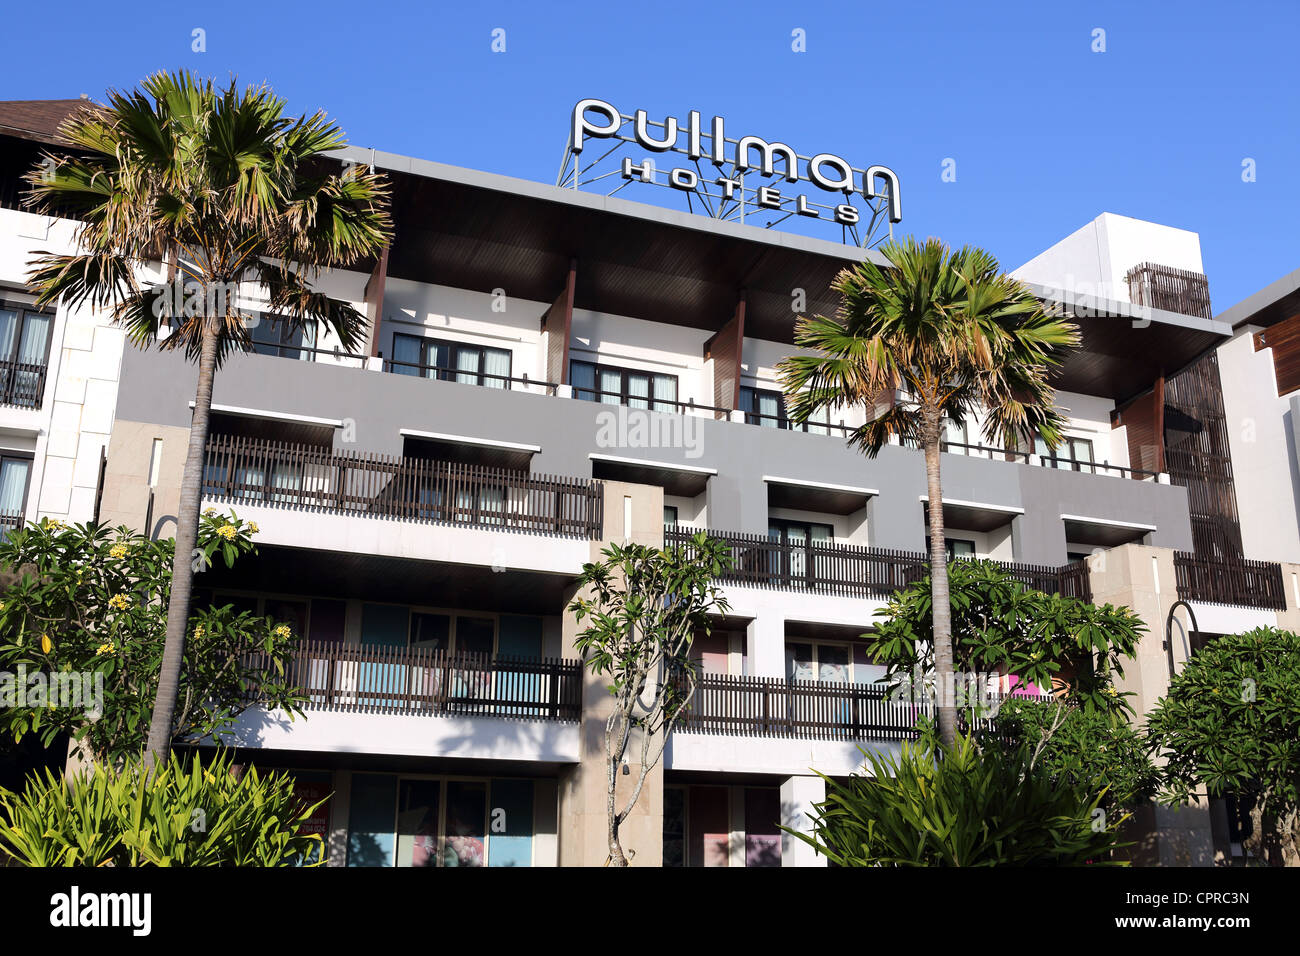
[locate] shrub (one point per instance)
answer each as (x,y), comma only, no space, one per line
(958,807)
(1082,749)
(187,813)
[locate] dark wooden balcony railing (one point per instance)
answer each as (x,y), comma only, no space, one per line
(9,521)
(288,475)
(1170,289)
(22,383)
(816,710)
(447,373)
(369,679)
(854,571)
(1246,583)
(843,569)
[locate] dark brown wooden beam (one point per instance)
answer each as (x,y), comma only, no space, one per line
(725,349)
(374,298)
(557,321)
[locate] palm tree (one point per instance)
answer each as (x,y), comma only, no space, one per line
(941,335)
(232,194)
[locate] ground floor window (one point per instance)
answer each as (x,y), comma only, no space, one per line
(410,821)
(703,823)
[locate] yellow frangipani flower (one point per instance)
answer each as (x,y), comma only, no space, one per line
(47,645)
(228,532)
(198,631)
(117,552)
(119,602)
(282,630)
(106,648)
(252,527)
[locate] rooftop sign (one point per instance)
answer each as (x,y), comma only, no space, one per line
(750,176)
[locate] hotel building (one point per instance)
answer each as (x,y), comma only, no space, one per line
(546,371)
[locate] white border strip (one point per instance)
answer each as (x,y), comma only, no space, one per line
(979,505)
(467,440)
(647,463)
(275,416)
(1109,522)
(827,486)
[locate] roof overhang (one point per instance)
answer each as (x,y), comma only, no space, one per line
(480,451)
(1103,532)
(1274,303)
(973,515)
(682,481)
(803,495)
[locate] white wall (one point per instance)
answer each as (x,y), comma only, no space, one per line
(1094,259)
(70,431)
(1262,444)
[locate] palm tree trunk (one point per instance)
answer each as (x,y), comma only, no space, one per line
(939,601)
(187,529)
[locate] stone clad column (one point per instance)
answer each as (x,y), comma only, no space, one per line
(798,794)
(583,818)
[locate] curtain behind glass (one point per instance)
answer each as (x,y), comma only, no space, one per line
(496,362)
(406,349)
(638,390)
(665,393)
(611,385)
(467,366)
(13,482)
(769,406)
(582,376)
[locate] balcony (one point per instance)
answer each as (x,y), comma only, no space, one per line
(1256,584)
(854,571)
(725,705)
(240,469)
(22,384)
(1048,461)
(368,679)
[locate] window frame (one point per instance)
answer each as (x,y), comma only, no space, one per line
(29,457)
(451,373)
(23,310)
(783,420)
(597,394)
(1073,462)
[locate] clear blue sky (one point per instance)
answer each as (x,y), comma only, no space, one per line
(1046,133)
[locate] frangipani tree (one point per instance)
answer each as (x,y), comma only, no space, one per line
(234,194)
(943,334)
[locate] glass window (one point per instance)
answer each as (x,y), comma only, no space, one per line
(417,823)
(634,388)
(466,843)
(670,515)
(766,407)
(24,352)
(475,635)
(818,661)
(1073,453)
(461,362)
(958,548)
(430,632)
(283,339)
(14,475)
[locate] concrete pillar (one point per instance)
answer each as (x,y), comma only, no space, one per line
(1142,577)
(798,794)
(340,809)
(766,653)
(736,837)
(583,788)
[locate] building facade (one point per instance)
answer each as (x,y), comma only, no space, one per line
(547,371)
